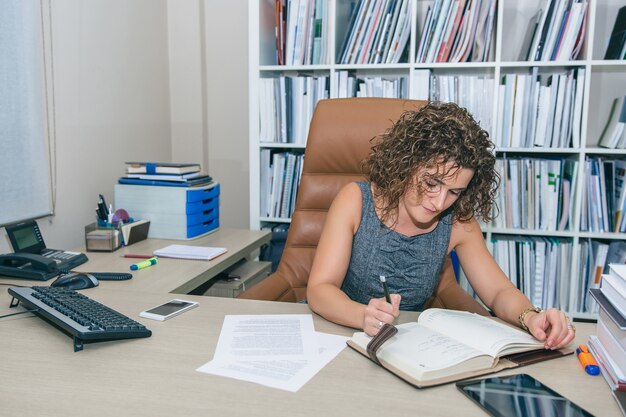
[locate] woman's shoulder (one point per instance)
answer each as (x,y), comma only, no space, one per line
(352,190)
(348,203)
(464,230)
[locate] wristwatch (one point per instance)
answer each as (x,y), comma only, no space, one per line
(522,316)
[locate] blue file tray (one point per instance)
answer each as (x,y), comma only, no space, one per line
(209,202)
(194,196)
(199,229)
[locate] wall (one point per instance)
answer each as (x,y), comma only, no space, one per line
(111,84)
(208,43)
(146,80)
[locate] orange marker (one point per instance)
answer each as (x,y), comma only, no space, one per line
(587,360)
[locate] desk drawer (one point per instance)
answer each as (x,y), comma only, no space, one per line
(202,205)
(203,194)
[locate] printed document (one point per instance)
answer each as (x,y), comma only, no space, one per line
(280,351)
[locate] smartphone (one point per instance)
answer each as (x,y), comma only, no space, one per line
(519,395)
(168,310)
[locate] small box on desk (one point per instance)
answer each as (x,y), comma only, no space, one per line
(174,212)
(102,239)
(247,273)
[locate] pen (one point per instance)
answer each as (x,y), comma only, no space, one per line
(383,281)
(587,361)
(143,264)
(131,255)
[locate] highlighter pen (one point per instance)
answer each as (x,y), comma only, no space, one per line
(587,361)
(143,264)
(383,281)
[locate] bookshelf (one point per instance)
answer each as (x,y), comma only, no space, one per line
(601,82)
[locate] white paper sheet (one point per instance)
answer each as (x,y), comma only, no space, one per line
(279,351)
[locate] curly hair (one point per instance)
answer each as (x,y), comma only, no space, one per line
(434,135)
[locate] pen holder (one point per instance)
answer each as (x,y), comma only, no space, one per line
(102,239)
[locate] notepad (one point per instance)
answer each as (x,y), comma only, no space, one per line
(190,252)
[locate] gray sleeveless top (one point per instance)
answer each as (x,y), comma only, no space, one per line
(411,265)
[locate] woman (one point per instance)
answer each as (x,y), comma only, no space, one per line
(430,177)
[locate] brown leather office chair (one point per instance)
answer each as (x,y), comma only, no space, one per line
(339,139)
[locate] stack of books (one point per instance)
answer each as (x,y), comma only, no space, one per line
(378,33)
(165,174)
(609,346)
(457,31)
(557,32)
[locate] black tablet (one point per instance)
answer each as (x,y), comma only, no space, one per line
(519,395)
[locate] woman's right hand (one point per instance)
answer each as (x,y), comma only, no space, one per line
(379,312)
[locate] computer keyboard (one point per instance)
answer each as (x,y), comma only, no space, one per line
(83,318)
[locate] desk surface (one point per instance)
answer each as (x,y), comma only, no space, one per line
(179,276)
(156,376)
(41,374)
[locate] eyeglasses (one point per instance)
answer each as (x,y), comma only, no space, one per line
(432,185)
(429,184)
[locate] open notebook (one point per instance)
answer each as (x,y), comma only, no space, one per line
(189,252)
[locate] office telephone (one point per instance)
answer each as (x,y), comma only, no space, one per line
(28,265)
(32,259)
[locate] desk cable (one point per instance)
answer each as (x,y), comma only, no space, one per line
(34,310)
(103,276)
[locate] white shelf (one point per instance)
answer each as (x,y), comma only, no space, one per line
(604,80)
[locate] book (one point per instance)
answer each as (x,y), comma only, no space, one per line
(611,325)
(614,127)
(447,345)
(620,397)
(611,373)
(611,345)
(160,168)
(618,36)
(205,253)
(166,177)
(192,182)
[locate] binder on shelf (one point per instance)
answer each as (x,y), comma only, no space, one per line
(164,183)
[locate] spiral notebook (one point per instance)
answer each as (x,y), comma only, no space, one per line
(205,253)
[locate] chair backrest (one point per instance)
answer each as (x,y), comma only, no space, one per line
(339,139)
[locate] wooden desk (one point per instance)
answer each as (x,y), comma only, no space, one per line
(179,276)
(42,376)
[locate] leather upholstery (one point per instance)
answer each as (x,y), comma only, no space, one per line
(339,139)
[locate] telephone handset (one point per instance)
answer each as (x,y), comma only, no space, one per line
(28,265)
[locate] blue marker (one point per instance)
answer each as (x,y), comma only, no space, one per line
(143,264)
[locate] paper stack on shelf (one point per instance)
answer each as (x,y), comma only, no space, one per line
(609,346)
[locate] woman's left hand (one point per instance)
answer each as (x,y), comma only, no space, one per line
(551,326)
